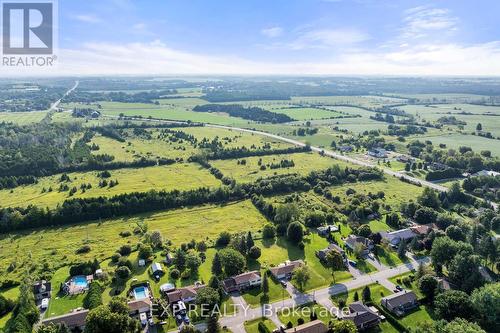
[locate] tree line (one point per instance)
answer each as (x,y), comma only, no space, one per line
(250,113)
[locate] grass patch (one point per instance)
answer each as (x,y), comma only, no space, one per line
(254,297)
(377,292)
(252,326)
(304,312)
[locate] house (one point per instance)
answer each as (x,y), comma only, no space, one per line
(140,306)
(169,259)
(346,149)
(242,282)
(141,263)
(486,173)
(42,289)
(436,166)
(395,237)
(74,320)
(362,316)
(321,254)
(315,326)
(156,269)
(400,303)
(185,294)
(353,242)
(99,273)
(378,153)
(423,229)
(326,230)
(285,270)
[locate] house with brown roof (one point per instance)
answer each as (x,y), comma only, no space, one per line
(315,326)
(242,281)
(400,303)
(285,270)
(74,320)
(362,316)
(185,294)
(423,229)
(140,306)
(321,254)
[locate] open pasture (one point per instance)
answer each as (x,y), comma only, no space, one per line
(22,118)
(251,170)
(455,140)
(129,180)
(56,247)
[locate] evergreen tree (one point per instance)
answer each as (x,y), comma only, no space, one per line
(265,284)
(250,242)
(356,297)
(217,265)
(367,295)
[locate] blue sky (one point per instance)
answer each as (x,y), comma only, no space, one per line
(279,37)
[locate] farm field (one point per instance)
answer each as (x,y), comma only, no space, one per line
(177,112)
(129,180)
(179,225)
(251,171)
(365,101)
(22,118)
(454,141)
(307,113)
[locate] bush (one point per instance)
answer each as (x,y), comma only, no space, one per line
(300,321)
(93,298)
(125,250)
(186,274)
(263,328)
(223,240)
(122,272)
(175,274)
(124,262)
(83,249)
(269,231)
(254,252)
(125,233)
(115,257)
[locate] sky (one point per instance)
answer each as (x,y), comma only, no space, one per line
(292,37)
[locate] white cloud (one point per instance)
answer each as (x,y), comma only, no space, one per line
(156,58)
(425,21)
(327,38)
(87,18)
(272,32)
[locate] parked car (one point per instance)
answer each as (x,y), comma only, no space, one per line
(399,288)
(353,263)
(283,283)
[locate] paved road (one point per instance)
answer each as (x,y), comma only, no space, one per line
(321,296)
(54,106)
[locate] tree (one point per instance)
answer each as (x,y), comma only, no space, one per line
(479,127)
(295,232)
(335,262)
(232,261)
(156,239)
(111,318)
(364,231)
(216,265)
(441,326)
(145,251)
(286,213)
(402,248)
(254,252)
(207,298)
(453,304)
(265,284)
(463,271)
(250,242)
(180,259)
(213,325)
(366,294)
(356,296)
(224,239)
(122,272)
(301,276)
(193,262)
(53,328)
(343,326)
(188,329)
(93,298)
(429,198)
(486,303)
(428,284)
(444,250)
(456,233)
(269,231)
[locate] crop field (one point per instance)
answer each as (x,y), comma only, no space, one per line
(365,101)
(251,171)
(129,180)
(56,246)
(307,113)
(22,118)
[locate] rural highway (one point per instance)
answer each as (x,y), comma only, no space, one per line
(56,103)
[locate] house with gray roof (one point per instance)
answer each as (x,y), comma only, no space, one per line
(400,303)
(395,237)
(362,316)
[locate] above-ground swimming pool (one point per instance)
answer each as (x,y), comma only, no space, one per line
(80,281)
(141,292)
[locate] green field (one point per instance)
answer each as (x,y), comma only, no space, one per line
(22,118)
(452,140)
(254,297)
(130,180)
(252,326)
(55,247)
(251,171)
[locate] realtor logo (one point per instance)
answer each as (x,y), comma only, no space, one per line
(28,28)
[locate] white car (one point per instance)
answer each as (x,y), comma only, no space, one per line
(45,304)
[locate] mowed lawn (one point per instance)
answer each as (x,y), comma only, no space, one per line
(22,118)
(251,171)
(252,326)
(129,180)
(293,315)
(57,246)
(275,252)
